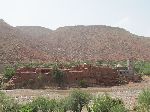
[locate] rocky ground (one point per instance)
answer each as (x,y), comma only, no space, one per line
(128,93)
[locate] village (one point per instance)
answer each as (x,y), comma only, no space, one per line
(84,75)
(74,56)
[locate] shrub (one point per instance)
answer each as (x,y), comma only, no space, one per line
(99,63)
(42,105)
(144,101)
(9,72)
(82,83)
(63,105)
(7,104)
(48,65)
(31,65)
(118,108)
(77,100)
(58,76)
(107,104)
(75,63)
(142,67)
(25,108)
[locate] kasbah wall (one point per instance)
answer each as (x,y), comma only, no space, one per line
(91,75)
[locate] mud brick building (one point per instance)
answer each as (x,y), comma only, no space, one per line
(91,75)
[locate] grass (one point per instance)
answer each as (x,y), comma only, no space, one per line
(144,101)
(7,104)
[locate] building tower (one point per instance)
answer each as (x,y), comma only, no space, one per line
(130,66)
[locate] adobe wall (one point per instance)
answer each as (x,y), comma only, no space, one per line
(31,76)
(92,75)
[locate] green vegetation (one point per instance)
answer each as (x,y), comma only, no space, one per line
(142,67)
(107,104)
(25,108)
(118,108)
(43,105)
(99,62)
(9,72)
(40,105)
(8,104)
(58,76)
(83,84)
(77,100)
(144,101)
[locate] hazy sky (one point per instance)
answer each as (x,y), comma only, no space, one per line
(133,15)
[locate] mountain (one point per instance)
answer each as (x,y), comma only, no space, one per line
(14,47)
(95,42)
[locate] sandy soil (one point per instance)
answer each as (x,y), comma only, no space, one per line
(128,93)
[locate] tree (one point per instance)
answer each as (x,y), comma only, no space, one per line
(78,99)
(58,76)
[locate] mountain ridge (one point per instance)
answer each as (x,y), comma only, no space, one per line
(14,47)
(92,42)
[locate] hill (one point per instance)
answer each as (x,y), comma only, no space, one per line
(95,42)
(14,47)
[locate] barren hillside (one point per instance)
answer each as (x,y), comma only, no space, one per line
(14,47)
(90,43)
(24,43)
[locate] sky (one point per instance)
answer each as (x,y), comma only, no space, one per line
(133,15)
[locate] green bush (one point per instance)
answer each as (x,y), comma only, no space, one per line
(82,84)
(31,65)
(8,104)
(42,105)
(99,63)
(144,101)
(25,108)
(105,103)
(58,76)
(63,105)
(9,72)
(118,108)
(46,65)
(77,100)
(142,67)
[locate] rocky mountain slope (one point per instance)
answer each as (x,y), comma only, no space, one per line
(91,43)
(14,47)
(24,43)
